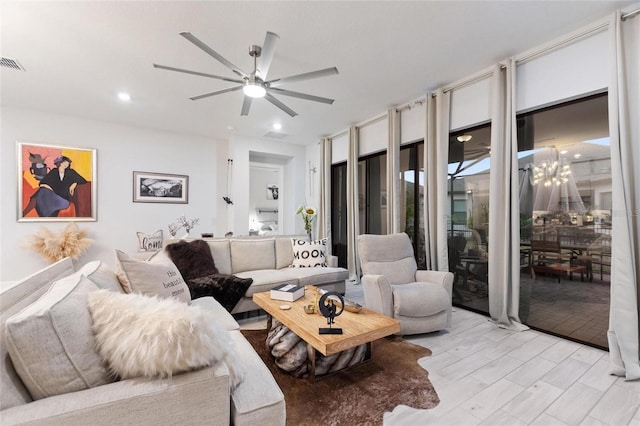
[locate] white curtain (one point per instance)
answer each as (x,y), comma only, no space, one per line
(324,211)
(436,159)
(393,173)
(624,132)
(353,225)
(504,213)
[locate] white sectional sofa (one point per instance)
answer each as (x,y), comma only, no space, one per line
(199,397)
(268,261)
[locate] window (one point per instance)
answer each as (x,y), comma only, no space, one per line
(412,197)
(468,224)
(372,194)
(565,219)
(339,213)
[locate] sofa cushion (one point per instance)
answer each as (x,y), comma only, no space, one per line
(101,275)
(258,399)
(51,344)
(317,275)
(12,300)
(266,279)
(308,254)
(251,254)
(221,252)
(156,276)
(284,250)
(419,299)
(226,289)
(150,336)
(221,315)
(192,258)
(398,272)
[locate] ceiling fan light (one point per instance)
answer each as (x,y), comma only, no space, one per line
(254,90)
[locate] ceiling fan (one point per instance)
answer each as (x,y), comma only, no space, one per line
(255,84)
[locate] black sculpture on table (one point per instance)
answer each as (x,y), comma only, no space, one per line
(329,310)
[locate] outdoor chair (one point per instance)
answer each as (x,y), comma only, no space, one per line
(420,300)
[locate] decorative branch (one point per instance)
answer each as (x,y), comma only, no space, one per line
(71,242)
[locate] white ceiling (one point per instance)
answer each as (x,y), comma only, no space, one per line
(79,55)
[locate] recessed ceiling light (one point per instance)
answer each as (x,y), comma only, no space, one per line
(124,97)
(577,155)
(230,127)
(277,126)
(564,151)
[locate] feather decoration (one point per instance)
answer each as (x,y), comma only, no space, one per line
(71,242)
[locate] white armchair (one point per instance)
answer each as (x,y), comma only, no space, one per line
(393,285)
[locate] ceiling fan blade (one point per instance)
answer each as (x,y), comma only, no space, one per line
(268,50)
(302,95)
(218,92)
(246,105)
(164,67)
(299,77)
(280,105)
(193,39)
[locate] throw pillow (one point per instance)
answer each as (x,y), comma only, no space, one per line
(193,258)
(51,344)
(149,336)
(307,254)
(101,275)
(226,289)
(156,276)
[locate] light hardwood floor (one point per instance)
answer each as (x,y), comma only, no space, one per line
(485,375)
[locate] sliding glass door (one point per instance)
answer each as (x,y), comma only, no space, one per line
(565,219)
(468,219)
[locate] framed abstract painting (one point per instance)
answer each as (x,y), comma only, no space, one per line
(56,183)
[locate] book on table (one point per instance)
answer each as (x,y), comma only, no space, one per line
(287,292)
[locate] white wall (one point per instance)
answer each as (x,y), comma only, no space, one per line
(120,151)
(293,187)
(314,162)
(261,175)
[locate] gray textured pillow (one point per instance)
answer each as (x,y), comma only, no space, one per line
(156,277)
(101,275)
(51,344)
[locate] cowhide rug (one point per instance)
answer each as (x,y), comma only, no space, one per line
(359,395)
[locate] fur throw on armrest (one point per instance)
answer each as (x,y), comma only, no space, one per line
(226,289)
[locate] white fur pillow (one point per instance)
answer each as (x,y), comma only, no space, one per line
(140,335)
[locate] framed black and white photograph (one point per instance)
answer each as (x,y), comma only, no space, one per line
(273,192)
(160,188)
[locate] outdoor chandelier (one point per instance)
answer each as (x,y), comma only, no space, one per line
(551,172)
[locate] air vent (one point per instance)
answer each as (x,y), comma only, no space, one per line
(276,135)
(11,63)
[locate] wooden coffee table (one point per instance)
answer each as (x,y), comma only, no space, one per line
(357,328)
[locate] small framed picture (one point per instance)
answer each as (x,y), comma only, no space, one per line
(273,192)
(56,183)
(160,188)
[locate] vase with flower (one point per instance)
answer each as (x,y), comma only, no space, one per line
(308,215)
